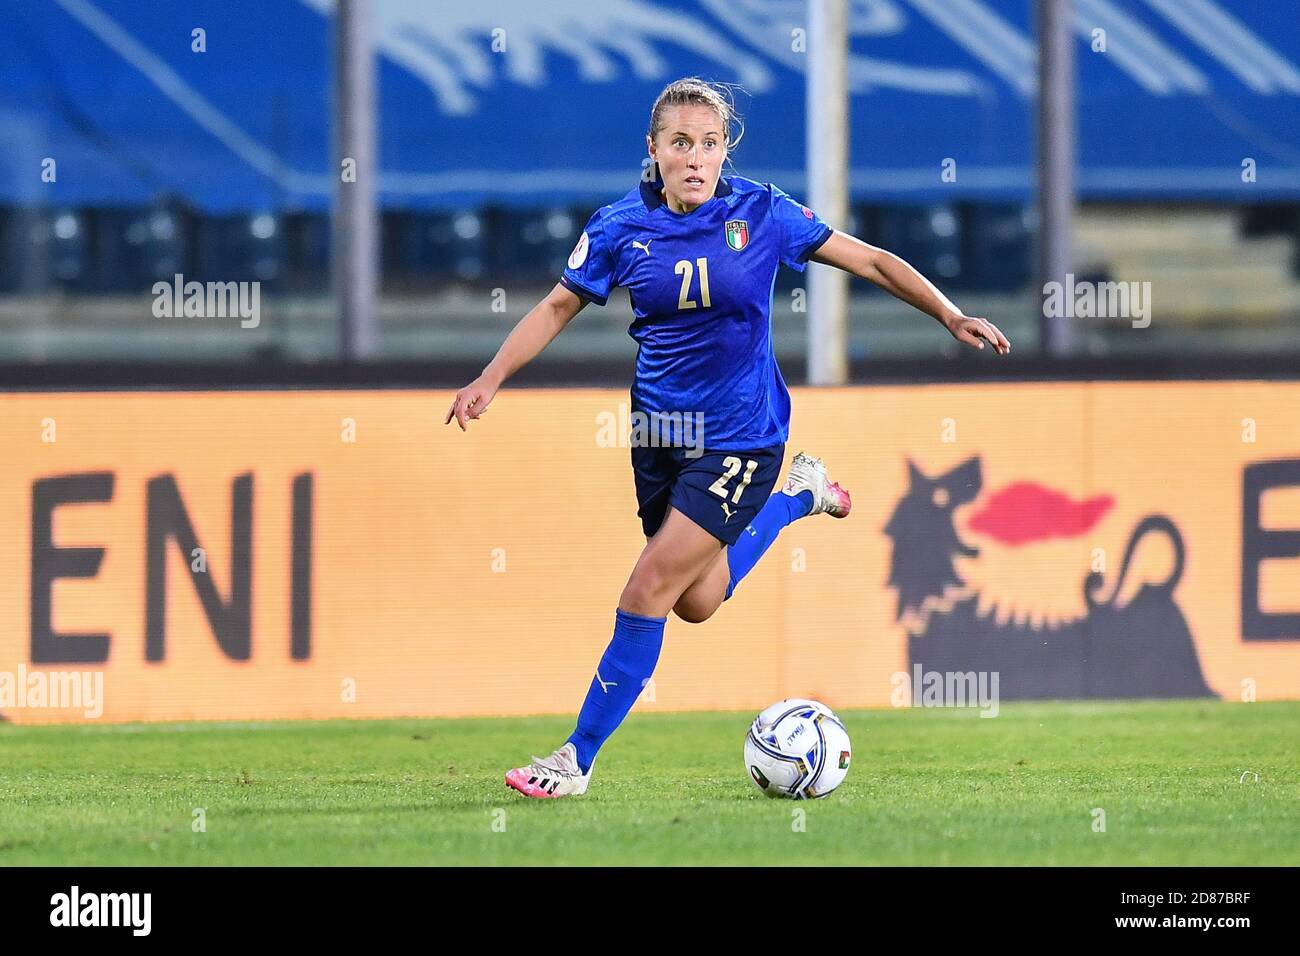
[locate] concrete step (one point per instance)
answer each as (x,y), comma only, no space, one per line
(1245,280)
(1168,229)
(1276,253)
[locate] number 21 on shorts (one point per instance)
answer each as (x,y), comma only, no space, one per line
(732,464)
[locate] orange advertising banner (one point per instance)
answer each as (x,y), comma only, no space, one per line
(251,555)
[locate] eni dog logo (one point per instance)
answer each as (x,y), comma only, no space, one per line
(1141,648)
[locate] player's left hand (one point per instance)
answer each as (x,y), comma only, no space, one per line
(471,401)
(973,331)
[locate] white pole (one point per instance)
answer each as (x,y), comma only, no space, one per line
(1056,161)
(354,255)
(828,195)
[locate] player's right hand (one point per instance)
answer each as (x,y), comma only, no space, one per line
(471,401)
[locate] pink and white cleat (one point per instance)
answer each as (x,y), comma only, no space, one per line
(555,776)
(809,474)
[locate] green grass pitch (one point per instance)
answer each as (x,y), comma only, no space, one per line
(927,786)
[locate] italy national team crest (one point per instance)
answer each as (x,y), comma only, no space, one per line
(737,234)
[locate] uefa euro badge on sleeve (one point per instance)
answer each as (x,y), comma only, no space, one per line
(579,254)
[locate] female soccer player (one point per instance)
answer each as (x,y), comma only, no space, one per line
(698,253)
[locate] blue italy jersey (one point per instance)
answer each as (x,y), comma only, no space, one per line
(701,289)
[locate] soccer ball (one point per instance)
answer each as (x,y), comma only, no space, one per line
(797,749)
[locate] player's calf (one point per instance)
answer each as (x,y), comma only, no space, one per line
(703,598)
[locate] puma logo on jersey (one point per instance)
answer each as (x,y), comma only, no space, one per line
(605,685)
(643,246)
(726,510)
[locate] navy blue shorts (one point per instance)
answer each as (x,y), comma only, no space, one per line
(721,491)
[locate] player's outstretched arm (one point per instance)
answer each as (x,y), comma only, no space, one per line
(903,282)
(525,342)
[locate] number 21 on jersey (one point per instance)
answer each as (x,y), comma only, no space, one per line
(686,271)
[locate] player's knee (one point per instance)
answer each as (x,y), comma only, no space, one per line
(648,588)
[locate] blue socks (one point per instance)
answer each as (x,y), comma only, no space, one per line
(623,671)
(781,509)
